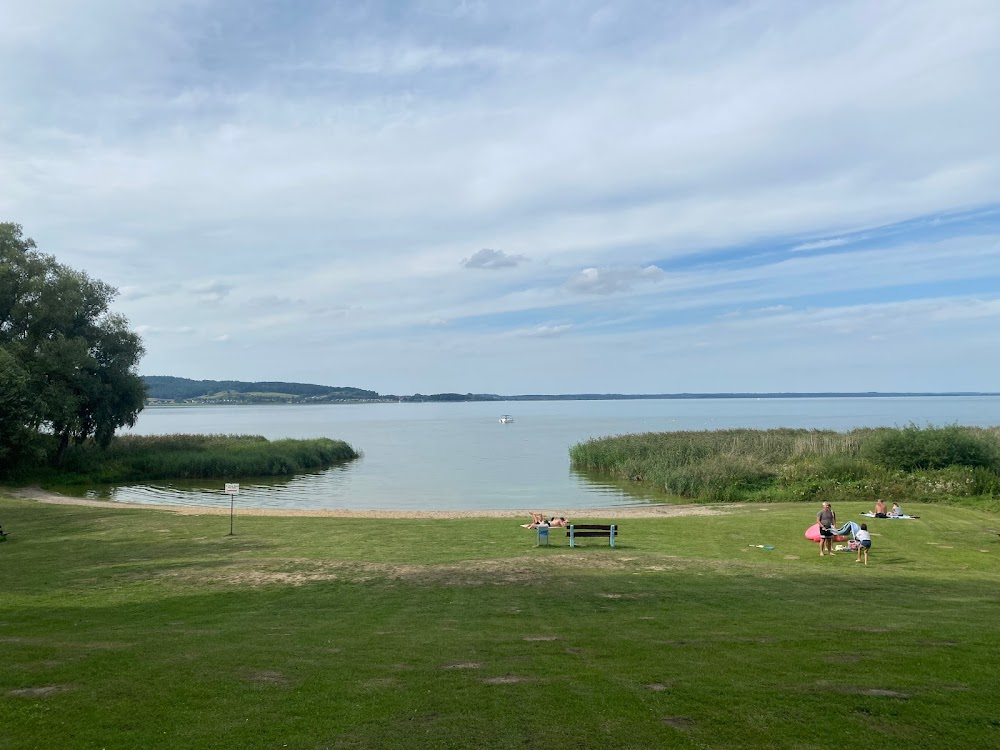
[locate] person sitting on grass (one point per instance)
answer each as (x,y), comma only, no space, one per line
(896,510)
(880,508)
(864,540)
(537,520)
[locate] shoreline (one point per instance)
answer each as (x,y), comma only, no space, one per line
(654,511)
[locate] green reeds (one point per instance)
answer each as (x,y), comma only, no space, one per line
(138,458)
(927,463)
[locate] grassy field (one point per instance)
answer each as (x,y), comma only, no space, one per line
(145,629)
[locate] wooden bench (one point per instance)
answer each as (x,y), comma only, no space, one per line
(577,530)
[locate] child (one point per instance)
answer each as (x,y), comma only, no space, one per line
(864,542)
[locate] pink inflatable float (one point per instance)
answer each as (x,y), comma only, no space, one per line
(812,534)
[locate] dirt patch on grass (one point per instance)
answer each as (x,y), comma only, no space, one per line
(298,572)
(268,677)
(880,693)
(463,665)
(86,646)
(506,680)
(869,629)
(871,692)
(541,638)
(43,691)
(678,722)
(657,687)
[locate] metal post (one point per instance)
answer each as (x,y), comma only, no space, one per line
(232,503)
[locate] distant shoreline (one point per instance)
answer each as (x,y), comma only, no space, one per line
(437,399)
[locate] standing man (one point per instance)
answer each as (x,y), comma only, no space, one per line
(827,521)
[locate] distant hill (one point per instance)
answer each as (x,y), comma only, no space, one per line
(166,388)
(163,388)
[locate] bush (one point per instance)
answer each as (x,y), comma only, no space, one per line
(763,465)
(134,458)
(914,448)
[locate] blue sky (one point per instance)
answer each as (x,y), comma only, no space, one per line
(522,197)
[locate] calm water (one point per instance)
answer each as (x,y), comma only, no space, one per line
(458,456)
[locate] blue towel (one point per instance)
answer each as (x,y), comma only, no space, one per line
(848,528)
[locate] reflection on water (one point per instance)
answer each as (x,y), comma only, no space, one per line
(458,456)
(634,490)
(329,489)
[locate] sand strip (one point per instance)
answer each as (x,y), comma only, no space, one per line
(628,511)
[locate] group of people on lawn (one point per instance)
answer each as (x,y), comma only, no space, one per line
(827,521)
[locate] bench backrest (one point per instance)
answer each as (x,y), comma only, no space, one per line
(576,530)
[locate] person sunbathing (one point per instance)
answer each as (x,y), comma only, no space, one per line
(537,520)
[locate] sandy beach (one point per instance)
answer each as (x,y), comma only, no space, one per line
(652,511)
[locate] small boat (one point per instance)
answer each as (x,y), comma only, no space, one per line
(506,419)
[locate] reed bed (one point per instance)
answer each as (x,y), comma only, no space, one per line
(926,463)
(138,458)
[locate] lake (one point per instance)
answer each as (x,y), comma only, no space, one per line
(457,456)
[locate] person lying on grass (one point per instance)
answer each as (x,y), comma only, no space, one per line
(537,520)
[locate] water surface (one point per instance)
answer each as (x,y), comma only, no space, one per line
(457,456)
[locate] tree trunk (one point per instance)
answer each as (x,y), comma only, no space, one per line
(63,447)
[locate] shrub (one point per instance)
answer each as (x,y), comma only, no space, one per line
(914,447)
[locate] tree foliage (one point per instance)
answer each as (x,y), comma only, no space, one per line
(67,363)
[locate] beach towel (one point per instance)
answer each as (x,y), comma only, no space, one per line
(848,528)
(905,518)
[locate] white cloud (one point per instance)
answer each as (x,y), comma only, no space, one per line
(492,259)
(210,291)
(821,244)
(548,331)
(322,173)
(612,280)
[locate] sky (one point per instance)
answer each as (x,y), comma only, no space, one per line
(558,196)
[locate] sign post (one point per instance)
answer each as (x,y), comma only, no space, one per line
(232,489)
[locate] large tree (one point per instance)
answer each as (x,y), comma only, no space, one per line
(68,363)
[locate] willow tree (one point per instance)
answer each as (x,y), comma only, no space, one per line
(70,362)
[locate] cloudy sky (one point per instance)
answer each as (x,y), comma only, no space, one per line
(515,197)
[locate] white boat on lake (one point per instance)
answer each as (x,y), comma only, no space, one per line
(506,419)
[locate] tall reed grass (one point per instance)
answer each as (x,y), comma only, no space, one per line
(137,458)
(924,463)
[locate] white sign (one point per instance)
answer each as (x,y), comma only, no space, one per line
(232,489)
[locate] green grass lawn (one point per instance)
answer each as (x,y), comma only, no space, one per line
(145,629)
